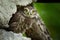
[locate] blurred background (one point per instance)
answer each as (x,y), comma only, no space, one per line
(50,13)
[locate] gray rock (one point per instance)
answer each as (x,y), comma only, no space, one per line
(7,8)
(22,2)
(5,35)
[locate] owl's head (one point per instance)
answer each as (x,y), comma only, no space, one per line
(30,12)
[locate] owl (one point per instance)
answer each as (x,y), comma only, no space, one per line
(27,20)
(37,30)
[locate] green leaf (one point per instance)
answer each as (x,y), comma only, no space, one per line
(50,13)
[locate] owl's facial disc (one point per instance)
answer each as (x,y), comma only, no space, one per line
(29,12)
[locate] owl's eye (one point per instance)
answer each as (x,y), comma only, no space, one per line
(26,11)
(33,11)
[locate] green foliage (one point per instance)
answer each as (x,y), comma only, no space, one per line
(24,34)
(50,13)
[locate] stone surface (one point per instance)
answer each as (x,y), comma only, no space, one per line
(22,2)
(5,35)
(7,8)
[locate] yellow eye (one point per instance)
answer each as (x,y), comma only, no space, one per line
(26,11)
(33,11)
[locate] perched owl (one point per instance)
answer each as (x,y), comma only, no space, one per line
(27,20)
(37,30)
